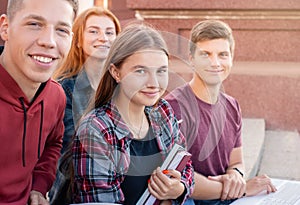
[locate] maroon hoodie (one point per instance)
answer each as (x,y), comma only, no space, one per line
(30,138)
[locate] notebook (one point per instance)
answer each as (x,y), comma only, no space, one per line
(288,193)
(176,159)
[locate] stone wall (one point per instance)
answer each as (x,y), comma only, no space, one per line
(266,74)
(265,30)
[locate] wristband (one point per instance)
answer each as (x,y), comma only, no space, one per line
(236,169)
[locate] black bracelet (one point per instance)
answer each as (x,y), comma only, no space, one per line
(236,169)
(179,199)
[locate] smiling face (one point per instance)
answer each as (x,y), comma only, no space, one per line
(99,33)
(36,39)
(212,61)
(143,77)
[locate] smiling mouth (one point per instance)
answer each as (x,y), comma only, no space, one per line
(214,71)
(150,93)
(43,59)
(102,46)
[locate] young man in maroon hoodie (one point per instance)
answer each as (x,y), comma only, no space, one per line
(37,36)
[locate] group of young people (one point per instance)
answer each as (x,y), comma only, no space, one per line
(119,125)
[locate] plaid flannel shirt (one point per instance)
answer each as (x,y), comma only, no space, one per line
(78,91)
(101,151)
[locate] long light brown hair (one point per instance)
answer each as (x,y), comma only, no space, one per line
(133,38)
(73,64)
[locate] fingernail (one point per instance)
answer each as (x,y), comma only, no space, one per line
(165,171)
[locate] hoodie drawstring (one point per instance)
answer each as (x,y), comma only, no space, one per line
(25,130)
(41,129)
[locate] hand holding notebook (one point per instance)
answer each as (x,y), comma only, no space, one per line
(176,159)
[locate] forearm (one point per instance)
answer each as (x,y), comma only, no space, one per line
(206,189)
(237,168)
(236,161)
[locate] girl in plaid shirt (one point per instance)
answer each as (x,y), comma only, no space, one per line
(123,140)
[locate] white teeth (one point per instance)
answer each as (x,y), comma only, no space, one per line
(101,46)
(42,59)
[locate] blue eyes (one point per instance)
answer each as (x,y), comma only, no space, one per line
(224,54)
(109,33)
(206,55)
(162,71)
(34,24)
(65,31)
(203,54)
(61,30)
(142,71)
(97,32)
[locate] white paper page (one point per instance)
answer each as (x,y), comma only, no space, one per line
(281,186)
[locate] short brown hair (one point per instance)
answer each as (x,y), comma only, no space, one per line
(13,6)
(209,30)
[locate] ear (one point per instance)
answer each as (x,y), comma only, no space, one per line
(191,60)
(4,27)
(114,71)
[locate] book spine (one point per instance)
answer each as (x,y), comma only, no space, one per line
(179,168)
(183,163)
(147,198)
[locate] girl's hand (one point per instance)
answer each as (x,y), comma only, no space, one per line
(165,184)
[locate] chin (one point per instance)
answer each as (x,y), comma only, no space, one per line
(153,102)
(42,79)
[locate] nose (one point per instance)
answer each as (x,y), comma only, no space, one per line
(215,61)
(152,80)
(47,37)
(102,36)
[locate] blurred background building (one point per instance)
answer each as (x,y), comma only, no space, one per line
(266,74)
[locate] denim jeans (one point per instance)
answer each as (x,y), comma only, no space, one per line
(213,202)
(189,202)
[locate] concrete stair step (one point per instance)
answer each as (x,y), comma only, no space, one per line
(281,158)
(253,133)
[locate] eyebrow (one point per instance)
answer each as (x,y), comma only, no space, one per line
(40,18)
(99,27)
(209,52)
(36,17)
(202,50)
(146,67)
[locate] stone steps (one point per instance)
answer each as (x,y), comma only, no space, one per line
(275,153)
(253,133)
(281,155)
